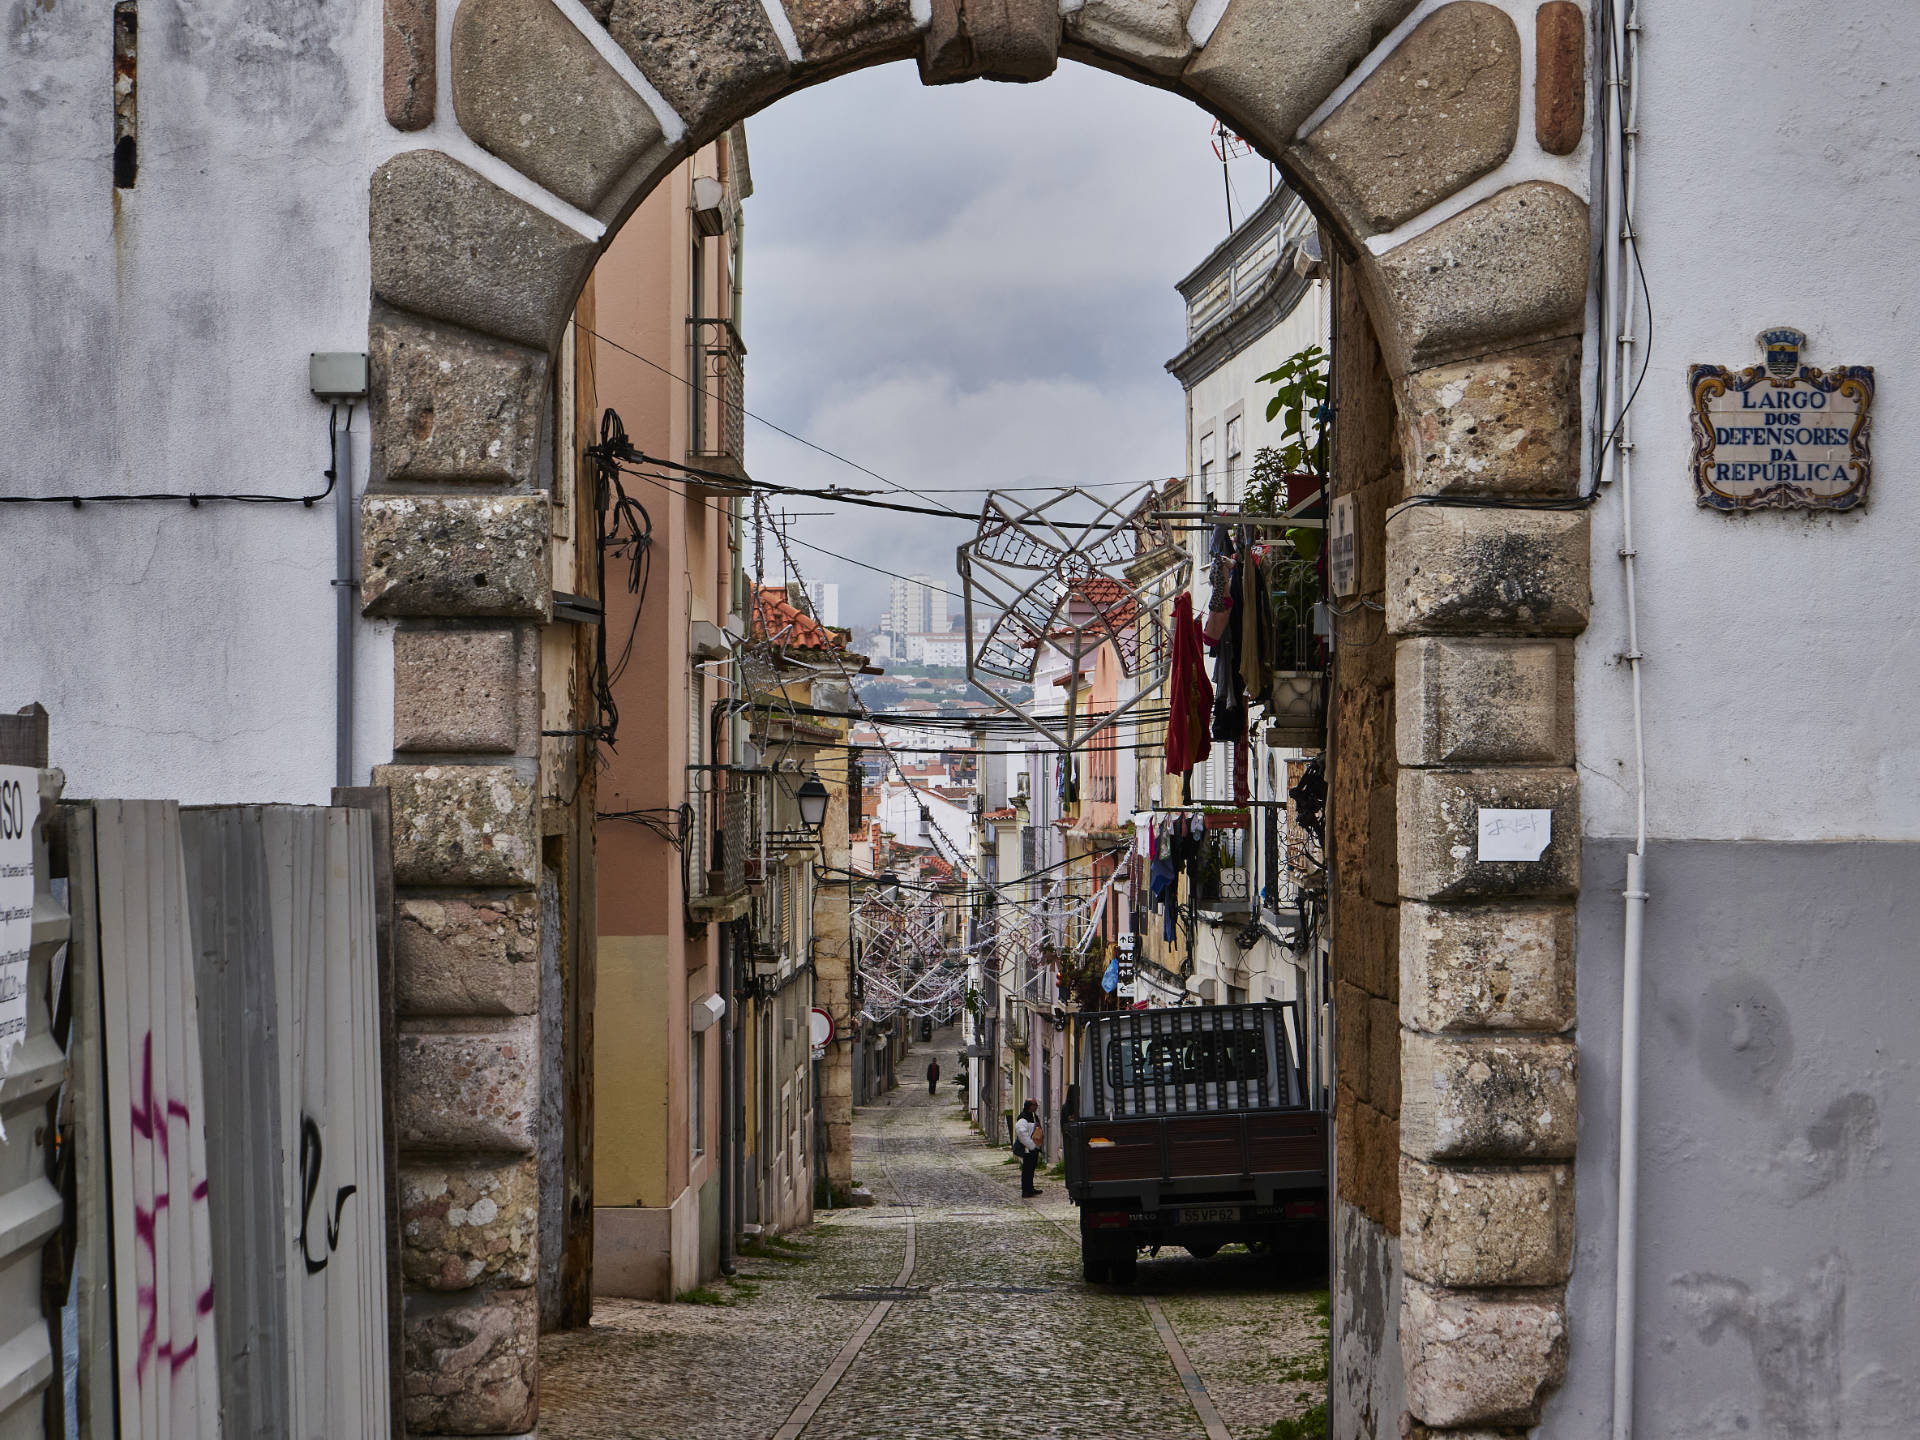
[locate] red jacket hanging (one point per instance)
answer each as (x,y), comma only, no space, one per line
(1189,696)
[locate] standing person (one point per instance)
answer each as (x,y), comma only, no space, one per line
(1027,1139)
(933,1075)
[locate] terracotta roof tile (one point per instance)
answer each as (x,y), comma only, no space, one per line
(777,618)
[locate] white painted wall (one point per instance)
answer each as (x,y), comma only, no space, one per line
(900,809)
(157,339)
(1779,186)
(1215,397)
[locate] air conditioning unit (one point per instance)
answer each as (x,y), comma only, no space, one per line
(709,205)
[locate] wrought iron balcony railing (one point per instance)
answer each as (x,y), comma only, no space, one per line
(726,811)
(719,391)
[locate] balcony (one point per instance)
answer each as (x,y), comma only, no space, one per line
(1297,711)
(719,402)
(724,812)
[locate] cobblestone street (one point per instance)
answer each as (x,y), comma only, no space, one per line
(993,1333)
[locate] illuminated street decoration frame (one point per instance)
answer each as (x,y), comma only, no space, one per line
(1050,579)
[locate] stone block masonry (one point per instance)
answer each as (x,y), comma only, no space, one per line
(532,89)
(451,405)
(1456,1083)
(1443,110)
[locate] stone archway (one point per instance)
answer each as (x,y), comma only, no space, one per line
(1402,124)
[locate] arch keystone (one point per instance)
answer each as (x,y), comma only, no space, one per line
(530,88)
(1269,63)
(1439,112)
(1012,40)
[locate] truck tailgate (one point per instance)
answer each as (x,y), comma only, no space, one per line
(1232,1144)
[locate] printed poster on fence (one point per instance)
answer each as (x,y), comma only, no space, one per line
(19,809)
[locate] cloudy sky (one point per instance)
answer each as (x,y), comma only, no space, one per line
(965,287)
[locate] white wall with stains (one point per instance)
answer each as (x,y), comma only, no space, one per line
(156,339)
(1780,1146)
(1779,185)
(1780,1149)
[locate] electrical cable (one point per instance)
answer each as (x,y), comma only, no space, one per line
(922,491)
(624,531)
(195,498)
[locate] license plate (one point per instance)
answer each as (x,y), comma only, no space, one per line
(1209,1214)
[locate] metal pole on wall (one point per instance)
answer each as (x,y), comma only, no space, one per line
(727,1080)
(343,591)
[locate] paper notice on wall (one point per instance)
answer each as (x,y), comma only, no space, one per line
(19,809)
(1515,834)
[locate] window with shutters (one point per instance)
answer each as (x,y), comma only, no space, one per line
(1026,850)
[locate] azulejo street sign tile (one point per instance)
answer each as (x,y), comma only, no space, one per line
(1781,435)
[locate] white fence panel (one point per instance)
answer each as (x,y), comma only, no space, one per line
(162,1242)
(320,868)
(284,903)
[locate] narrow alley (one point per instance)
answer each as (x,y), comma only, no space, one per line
(948,1309)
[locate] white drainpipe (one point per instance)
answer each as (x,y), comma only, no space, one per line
(1620,276)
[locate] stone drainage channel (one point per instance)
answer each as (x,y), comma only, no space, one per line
(982,1328)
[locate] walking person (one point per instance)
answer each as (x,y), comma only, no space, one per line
(933,1076)
(1027,1140)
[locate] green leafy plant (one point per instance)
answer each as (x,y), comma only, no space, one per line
(774,1248)
(1304,1369)
(1300,397)
(841,1197)
(1310,1426)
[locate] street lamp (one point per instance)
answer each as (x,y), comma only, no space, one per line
(813,798)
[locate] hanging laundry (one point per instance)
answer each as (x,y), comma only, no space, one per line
(1188,694)
(1219,584)
(1256,626)
(1164,879)
(1229,700)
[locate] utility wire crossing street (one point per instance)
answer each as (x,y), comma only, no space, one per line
(951,1310)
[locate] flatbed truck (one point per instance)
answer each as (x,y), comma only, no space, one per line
(1195,1128)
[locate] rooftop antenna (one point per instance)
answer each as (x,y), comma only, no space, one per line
(1229,146)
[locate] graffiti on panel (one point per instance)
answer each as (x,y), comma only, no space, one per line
(312,1152)
(153,1118)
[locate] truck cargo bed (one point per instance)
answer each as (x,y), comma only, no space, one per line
(1250,1154)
